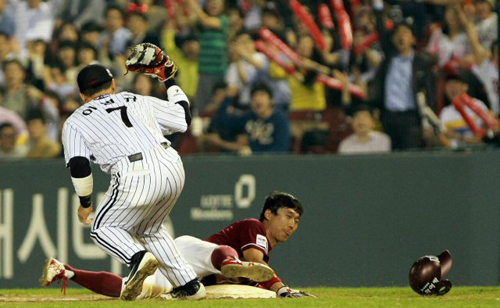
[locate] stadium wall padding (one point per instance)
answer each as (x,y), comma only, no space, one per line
(366,218)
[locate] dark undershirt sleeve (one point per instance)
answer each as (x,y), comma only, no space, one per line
(80,168)
(184,104)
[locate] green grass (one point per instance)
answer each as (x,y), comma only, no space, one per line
(327,297)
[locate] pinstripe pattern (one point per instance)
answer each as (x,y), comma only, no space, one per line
(93,130)
(142,193)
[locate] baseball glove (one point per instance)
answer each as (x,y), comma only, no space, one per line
(149,59)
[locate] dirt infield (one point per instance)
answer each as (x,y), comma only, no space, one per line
(26,298)
(79,295)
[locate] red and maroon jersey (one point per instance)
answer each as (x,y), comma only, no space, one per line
(242,235)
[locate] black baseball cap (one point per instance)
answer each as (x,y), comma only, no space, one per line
(93,76)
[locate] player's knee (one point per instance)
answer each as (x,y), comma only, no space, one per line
(221,253)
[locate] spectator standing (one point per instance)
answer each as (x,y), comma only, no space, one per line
(402,75)
(186,57)
(213,48)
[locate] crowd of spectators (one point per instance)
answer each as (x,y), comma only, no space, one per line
(387,75)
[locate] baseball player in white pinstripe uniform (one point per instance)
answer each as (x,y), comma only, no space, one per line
(123,134)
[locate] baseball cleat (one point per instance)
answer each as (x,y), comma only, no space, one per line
(132,285)
(192,290)
(53,270)
(254,271)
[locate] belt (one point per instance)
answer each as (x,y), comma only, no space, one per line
(138,156)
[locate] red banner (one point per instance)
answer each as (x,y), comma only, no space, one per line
(270,37)
(307,19)
(262,47)
(345,28)
(325,17)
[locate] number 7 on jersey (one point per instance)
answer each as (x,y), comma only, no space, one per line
(123,113)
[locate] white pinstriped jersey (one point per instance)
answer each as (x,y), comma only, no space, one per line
(113,126)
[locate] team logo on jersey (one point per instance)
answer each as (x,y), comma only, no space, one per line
(262,241)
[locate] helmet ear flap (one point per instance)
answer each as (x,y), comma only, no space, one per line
(444,287)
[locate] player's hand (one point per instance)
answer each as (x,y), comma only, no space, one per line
(83,215)
(285,292)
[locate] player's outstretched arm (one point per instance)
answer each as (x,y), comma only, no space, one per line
(150,60)
(275,284)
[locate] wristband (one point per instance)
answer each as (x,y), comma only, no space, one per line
(86,201)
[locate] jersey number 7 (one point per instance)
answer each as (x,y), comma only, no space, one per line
(123,113)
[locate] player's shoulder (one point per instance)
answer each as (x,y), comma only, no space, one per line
(127,96)
(250,223)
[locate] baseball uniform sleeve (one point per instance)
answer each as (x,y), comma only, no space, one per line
(74,143)
(253,235)
(170,116)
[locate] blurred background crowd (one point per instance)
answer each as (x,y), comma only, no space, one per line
(344,76)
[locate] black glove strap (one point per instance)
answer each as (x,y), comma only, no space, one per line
(86,201)
(170,82)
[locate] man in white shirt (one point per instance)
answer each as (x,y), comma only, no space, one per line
(364,140)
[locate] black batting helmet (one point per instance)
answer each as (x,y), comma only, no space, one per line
(428,272)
